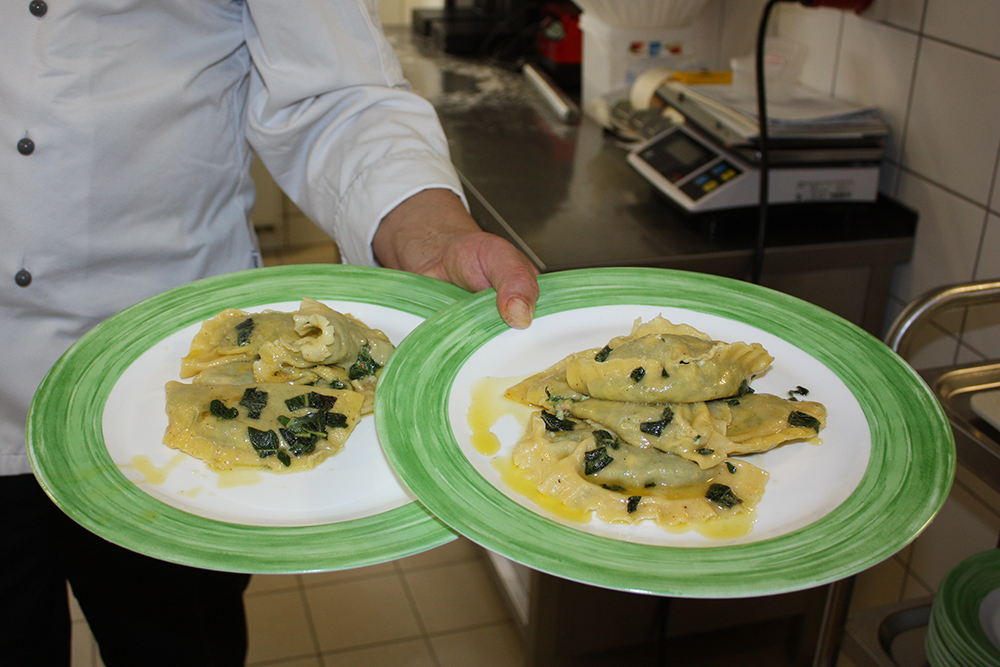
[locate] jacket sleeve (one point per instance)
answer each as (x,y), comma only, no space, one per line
(333,119)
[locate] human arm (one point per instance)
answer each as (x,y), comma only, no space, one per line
(332,117)
(431,234)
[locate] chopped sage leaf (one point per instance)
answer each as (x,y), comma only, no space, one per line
(705,451)
(603,354)
(804,420)
(265,443)
(312,426)
(254,401)
(313,400)
(664,373)
(219,409)
(365,364)
(243,332)
(335,420)
(633,503)
(285,459)
(723,496)
(299,445)
(607,439)
(300,402)
(650,485)
(731,468)
(637,374)
(656,428)
(553,423)
(617,488)
(596,460)
(744,388)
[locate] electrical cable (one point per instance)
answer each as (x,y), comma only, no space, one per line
(758,256)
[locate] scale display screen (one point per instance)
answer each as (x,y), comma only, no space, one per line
(677,156)
(686,168)
(700,176)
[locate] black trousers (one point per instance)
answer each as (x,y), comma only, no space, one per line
(142,611)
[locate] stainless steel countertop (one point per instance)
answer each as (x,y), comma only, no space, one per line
(567,196)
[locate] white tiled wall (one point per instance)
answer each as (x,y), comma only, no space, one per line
(933,68)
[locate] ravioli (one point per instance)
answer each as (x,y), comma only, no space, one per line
(315,345)
(648,426)
(662,363)
(273,389)
(276,426)
(620,483)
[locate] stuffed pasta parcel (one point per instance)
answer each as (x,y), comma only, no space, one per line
(275,390)
(649,427)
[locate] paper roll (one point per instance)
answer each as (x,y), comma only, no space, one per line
(643,91)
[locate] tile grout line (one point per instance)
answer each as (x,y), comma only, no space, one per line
(424,636)
(313,633)
(416,612)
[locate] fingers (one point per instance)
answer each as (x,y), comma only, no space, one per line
(517,292)
(481,260)
(432,234)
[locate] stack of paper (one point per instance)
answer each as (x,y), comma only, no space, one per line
(809,114)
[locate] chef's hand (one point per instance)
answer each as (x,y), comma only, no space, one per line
(432,234)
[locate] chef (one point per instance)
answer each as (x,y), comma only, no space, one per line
(127,130)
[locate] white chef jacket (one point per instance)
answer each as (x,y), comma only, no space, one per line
(126,129)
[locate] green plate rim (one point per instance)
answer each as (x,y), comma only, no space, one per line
(909,472)
(67,452)
(956,608)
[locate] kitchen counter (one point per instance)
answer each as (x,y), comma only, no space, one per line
(566,196)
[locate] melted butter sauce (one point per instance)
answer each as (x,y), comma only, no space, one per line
(228,479)
(150,472)
(489,406)
(515,479)
(155,475)
(728,528)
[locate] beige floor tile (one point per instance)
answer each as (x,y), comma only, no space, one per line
(278,627)
(360,613)
(455,597)
(455,551)
(272,583)
(83,648)
(75,613)
(964,526)
(879,585)
(844,661)
(323,578)
(311,661)
(493,646)
(412,653)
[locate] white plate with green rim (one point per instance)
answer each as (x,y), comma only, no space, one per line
(966,612)
(96,425)
(883,469)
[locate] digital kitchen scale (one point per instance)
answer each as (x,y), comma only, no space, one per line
(699,175)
